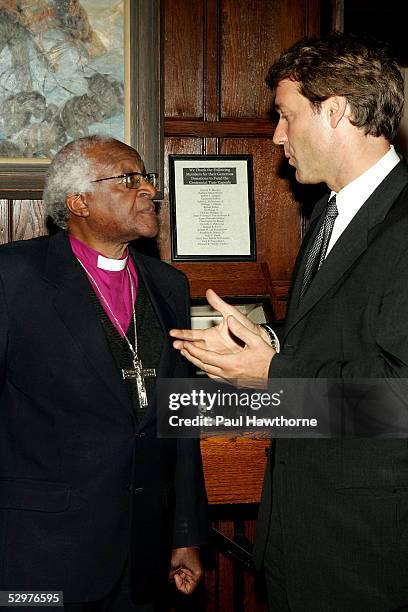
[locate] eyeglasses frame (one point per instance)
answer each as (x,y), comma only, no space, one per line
(127,174)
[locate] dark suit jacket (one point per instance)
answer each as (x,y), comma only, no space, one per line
(340,507)
(81,483)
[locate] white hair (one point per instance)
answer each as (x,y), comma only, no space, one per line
(71,171)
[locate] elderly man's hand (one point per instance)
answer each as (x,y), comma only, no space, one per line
(186,569)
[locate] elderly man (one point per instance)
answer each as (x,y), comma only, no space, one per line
(333,523)
(92,503)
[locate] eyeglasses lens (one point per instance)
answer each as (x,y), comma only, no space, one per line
(134,181)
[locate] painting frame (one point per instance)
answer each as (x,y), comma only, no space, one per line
(236,171)
(23,178)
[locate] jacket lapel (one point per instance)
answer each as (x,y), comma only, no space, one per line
(300,264)
(75,308)
(348,248)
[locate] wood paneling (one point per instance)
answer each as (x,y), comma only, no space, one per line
(233,469)
(211,60)
(278,223)
(181,146)
(239,41)
(293,19)
(213,129)
(253,35)
(184,58)
(226,279)
(225,591)
(250,42)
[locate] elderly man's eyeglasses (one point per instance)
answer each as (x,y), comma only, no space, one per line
(133,180)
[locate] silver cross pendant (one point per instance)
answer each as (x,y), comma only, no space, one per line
(139,373)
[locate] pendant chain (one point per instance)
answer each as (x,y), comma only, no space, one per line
(132,349)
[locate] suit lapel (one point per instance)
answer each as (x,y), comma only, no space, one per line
(348,248)
(75,308)
(299,268)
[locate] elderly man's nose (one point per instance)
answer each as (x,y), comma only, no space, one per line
(147,188)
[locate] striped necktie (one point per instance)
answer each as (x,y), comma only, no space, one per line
(318,251)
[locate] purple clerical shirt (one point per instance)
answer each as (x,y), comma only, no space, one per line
(112,279)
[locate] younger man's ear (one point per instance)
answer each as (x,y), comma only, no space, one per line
(336,109)
(76,203)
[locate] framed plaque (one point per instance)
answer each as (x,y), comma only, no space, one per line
(212,207)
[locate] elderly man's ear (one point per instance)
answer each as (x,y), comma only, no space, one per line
(76,204)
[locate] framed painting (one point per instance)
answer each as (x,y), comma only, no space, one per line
(69,69)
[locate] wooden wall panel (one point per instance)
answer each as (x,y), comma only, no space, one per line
(278,224)
(253,35)
(250,42)
(180,146)
(253,592)
(184,58)
(225,568)
(233,469)
(240,39)
(236,590)
(297,18)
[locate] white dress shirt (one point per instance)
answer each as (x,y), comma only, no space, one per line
(350,199)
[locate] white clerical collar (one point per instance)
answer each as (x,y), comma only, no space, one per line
(113,265)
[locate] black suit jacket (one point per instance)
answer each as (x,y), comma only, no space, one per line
(337,510)
(81,483)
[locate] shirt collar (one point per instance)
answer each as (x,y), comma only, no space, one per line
(113,265)
(91,257)
(351,198)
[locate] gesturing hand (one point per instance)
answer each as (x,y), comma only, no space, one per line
(218,338)
(247,367)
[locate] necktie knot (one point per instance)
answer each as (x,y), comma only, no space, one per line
(332,210)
